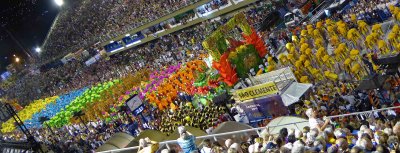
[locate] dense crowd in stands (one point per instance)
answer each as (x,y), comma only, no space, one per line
(370,11)
(78,138)
(84,23)
(371,132)
(210,6)
(75,74)
(177,47)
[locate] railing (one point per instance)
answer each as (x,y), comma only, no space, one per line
(364,112)
(214,136)
(319,11)
(12,150)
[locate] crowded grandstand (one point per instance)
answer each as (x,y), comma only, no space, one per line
(211,76)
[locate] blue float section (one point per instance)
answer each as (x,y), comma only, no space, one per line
(53,108)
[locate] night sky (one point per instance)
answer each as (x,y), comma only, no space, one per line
(28,21)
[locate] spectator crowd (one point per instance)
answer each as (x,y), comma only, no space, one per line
(180,46)
(84,23)
(375,132)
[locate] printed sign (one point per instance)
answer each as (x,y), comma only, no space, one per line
(138,110)
(134,102)
(268,107)
(257,91)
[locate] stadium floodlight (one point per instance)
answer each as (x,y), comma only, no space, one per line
(59,2)
(38,50)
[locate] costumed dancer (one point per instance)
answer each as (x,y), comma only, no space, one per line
(321,52)
(377,28)
(369,42)
(353,35)
(383,48)
(362,27)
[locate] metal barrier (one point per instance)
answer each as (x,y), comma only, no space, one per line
(364,112)
(12,150)
(214,136)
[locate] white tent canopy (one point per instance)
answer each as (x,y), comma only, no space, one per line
(285,121)
(294,92)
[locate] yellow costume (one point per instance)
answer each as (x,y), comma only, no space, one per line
(355,55)
(370,41)
(320,53)
(319,43)
(392,39)
(353,35)
(339,54)
(382,46)
(331,76)
(363,27)
(347,64)
(327,61)
(284,59)
(353,18)
(317,34)
(317,74)
(328,22)
(356,71)
(334,40)
(303,47)
(303,33)
(295,39)
(331,31)
(377,28)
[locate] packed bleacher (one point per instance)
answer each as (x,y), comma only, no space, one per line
(371,11)
(84,23)
(75,74)
(379,133)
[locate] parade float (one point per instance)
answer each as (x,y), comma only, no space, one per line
(27,113)
(235,55)
(235,49)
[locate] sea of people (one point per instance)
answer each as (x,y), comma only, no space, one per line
(85,23)
(376,132)
(371,12)
(171,49)
(82,22)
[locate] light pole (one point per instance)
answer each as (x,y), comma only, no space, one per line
(38,50)
(59,2)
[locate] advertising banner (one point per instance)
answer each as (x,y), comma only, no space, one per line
(134,102)
(262,108)
(257,91)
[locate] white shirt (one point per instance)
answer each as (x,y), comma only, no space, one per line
(314,123)
(205,150)
(391,112)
